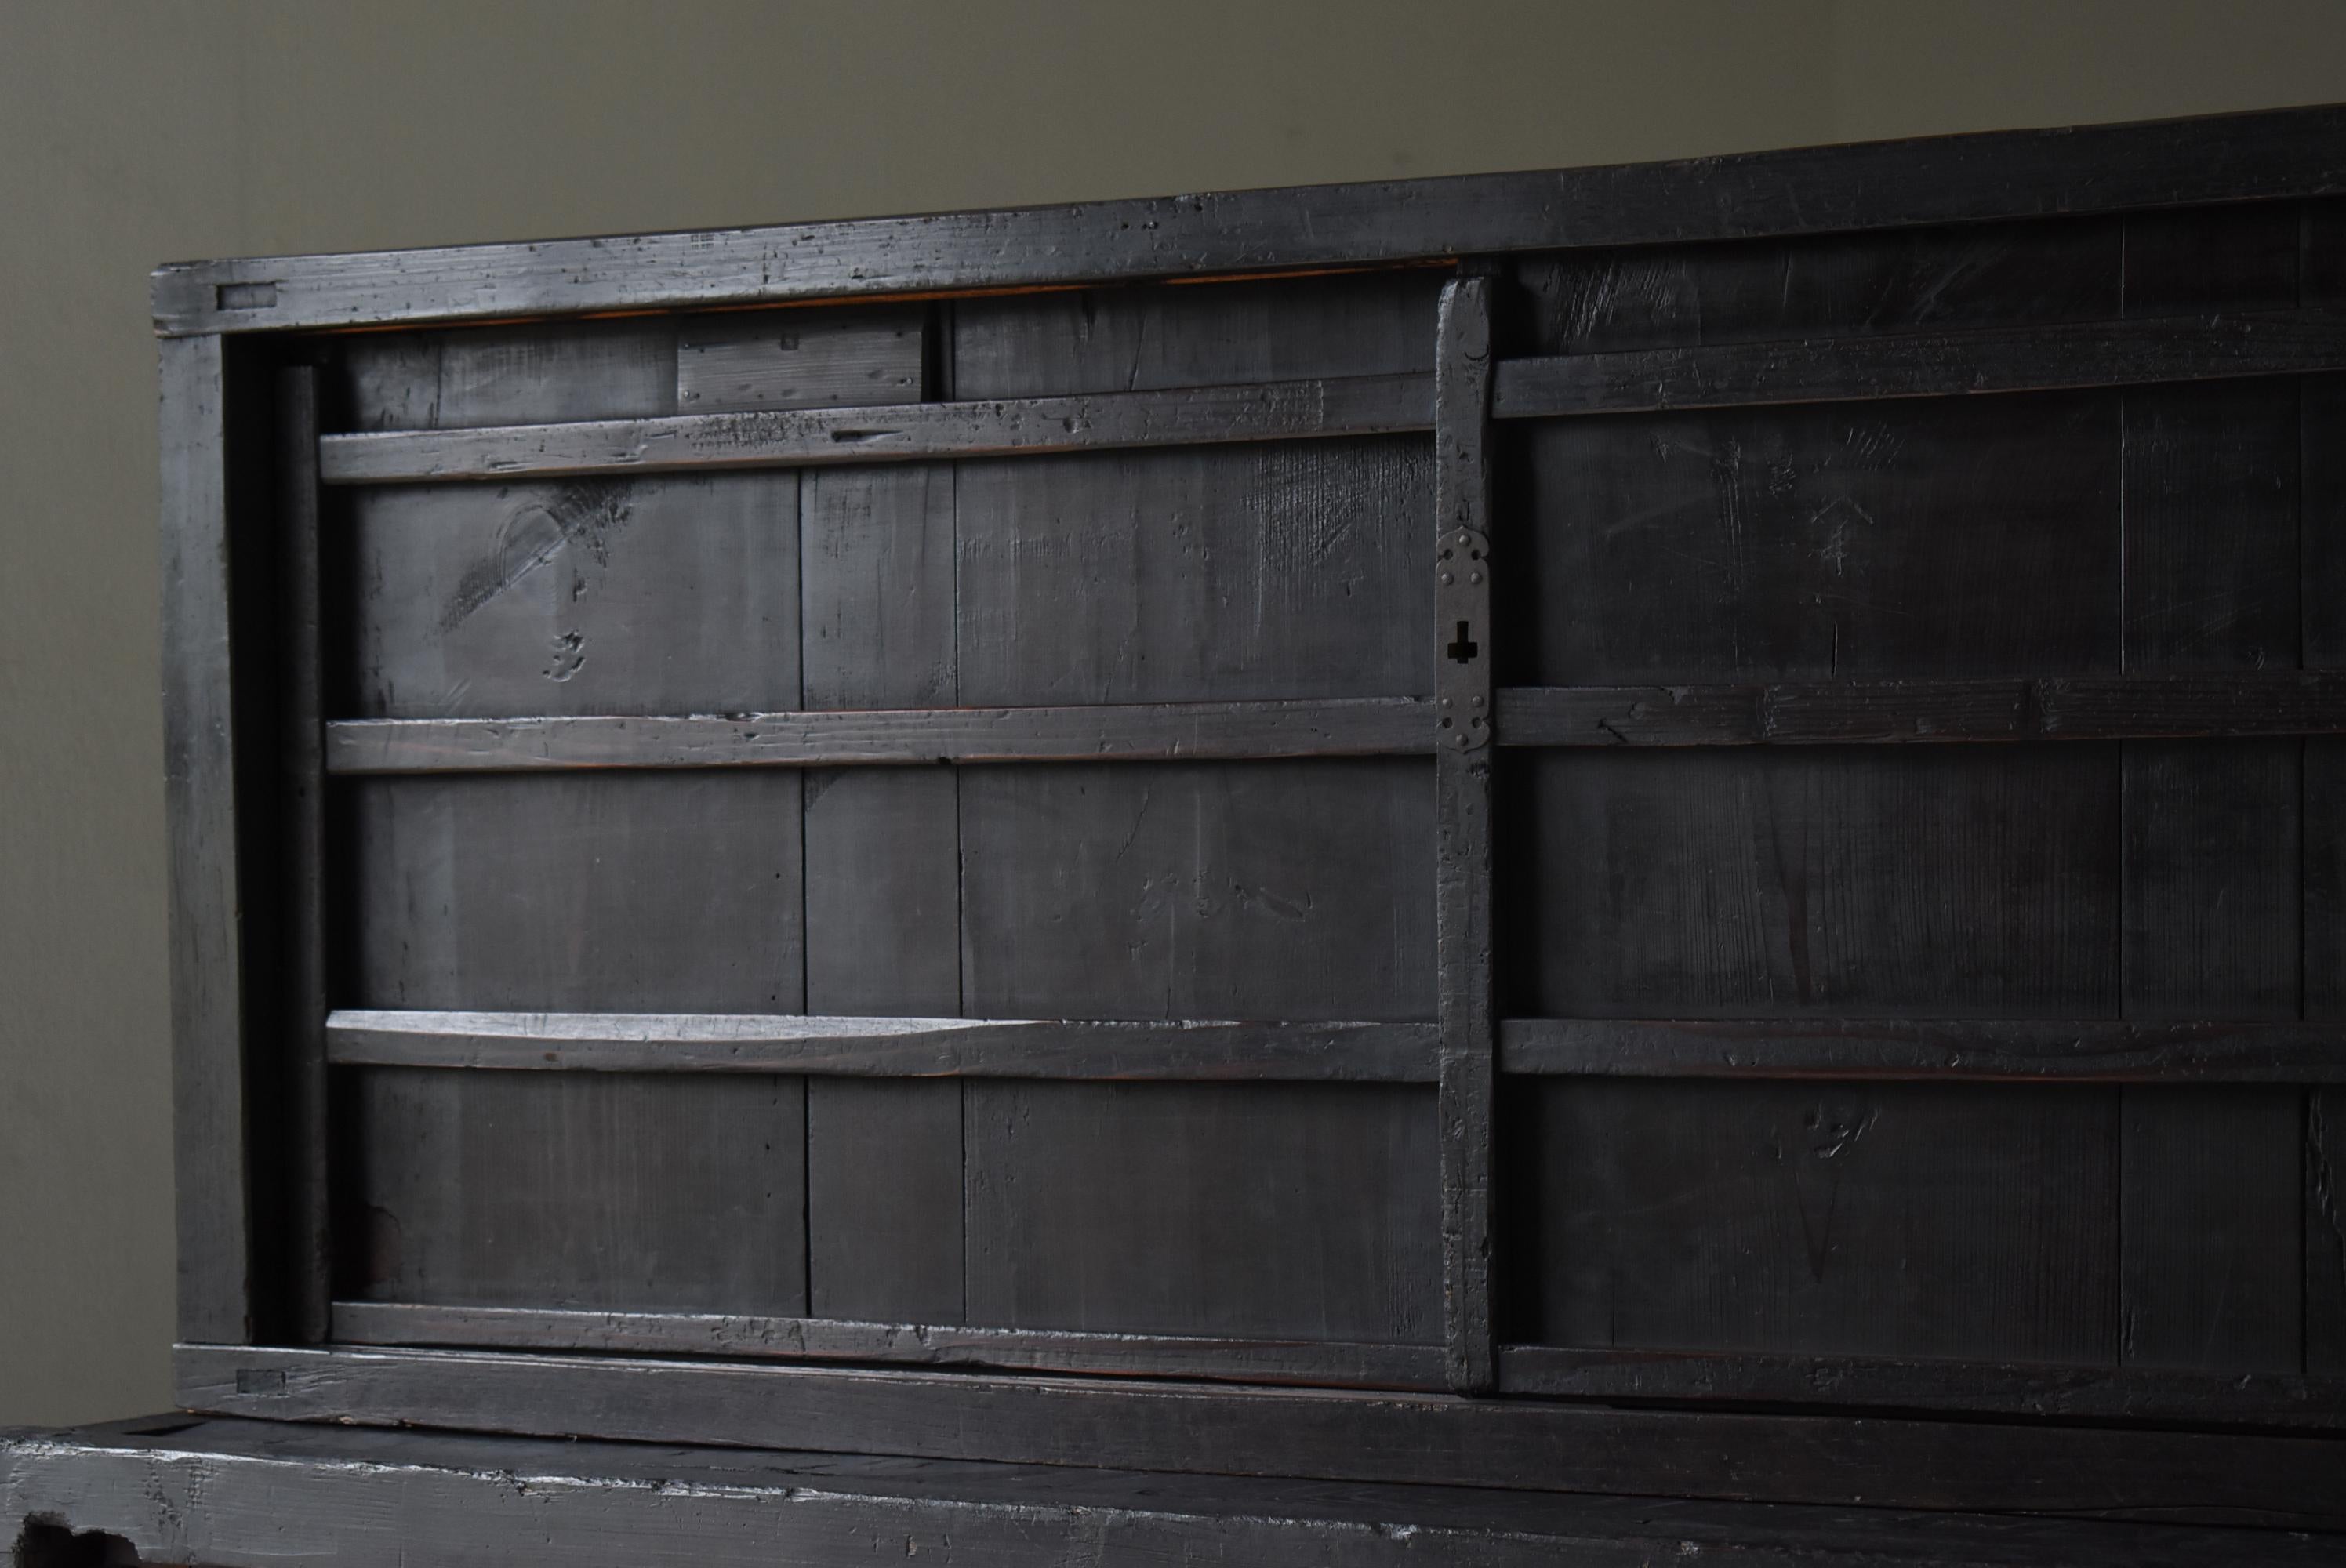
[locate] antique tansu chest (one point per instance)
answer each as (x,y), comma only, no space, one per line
(1676,830)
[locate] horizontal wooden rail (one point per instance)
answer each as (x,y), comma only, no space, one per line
(1199,731)
(894,1344)
(2095,1393)
(2025,1050)
(1181,1049)
(1424,1438)
(899,433)
(1924,364)
(1828,713)
(2270,155)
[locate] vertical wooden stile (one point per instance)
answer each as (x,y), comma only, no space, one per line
(1462,823)
(199,796)
(301,753)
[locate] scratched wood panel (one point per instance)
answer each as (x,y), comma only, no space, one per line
(1275,1210)
(1280,571)
(620,892)
(1890,281)
(882,895)
(1864,882)
(1255,889)
(1885,1218)
(1970,537)
(1157,339)
(575,1190)
(863,357)
(2210,1223)
(663,595)
(477,376)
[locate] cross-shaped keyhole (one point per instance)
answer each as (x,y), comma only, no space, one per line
(1464,650)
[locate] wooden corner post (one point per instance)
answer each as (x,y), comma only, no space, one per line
(1463,750)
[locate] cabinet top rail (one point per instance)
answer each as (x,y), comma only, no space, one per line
(2273,154)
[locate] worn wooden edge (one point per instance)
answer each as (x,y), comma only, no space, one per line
(2014,1050)
(1173,1050)
(1191,731)
(1924,364)
(1251,1360)
(2266,154)
(208,1033)
(2116,1393)
(1858,712)
(238,1493)
(1463,642)
(897,433)
(1512,1444)
(310,1246)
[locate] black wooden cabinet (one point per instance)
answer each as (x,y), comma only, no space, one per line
(1672,829)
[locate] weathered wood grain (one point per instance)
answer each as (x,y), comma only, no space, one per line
(625,891)
(492,375)
(1894,541)
(1283,570)
(577,1190)
(2019,1051)
(1924,364)
(1873,281)
(1394,1053)
(207,1004)
(1427,1440)
(884,1199)
(1351,726)
(1286,1211)
(634,597)
(798,358)
(1264,890)
(1463,654)
(802,438)
(1858,1382)
(1807,190)
(239,1493)
(835,1337)
(1968,1221)
(1918,881)
(2243,705)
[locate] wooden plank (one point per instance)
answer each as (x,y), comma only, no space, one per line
(1873,281)
(1933,882)
(2018,1051)
(1280,1211)
(800,438)
(579,1190)
(882,896)
(834,1337)
(1463,654)
(479,376)
(1284,570)
(2213,867)
(2325,1232)
(1945,180)
(1924,364)
(1353,726)
(1857,1382)
(622,891)
(236,1491)
(2325,999)
(1269,890)
(1966,1221)
(1426,1439)
(207,1022)
(884,1047)
(1893,541)
(596,597)
(1152,340)
(2241,705)
(798,358)
(303,840)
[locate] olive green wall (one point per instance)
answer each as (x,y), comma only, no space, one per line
(136,133)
